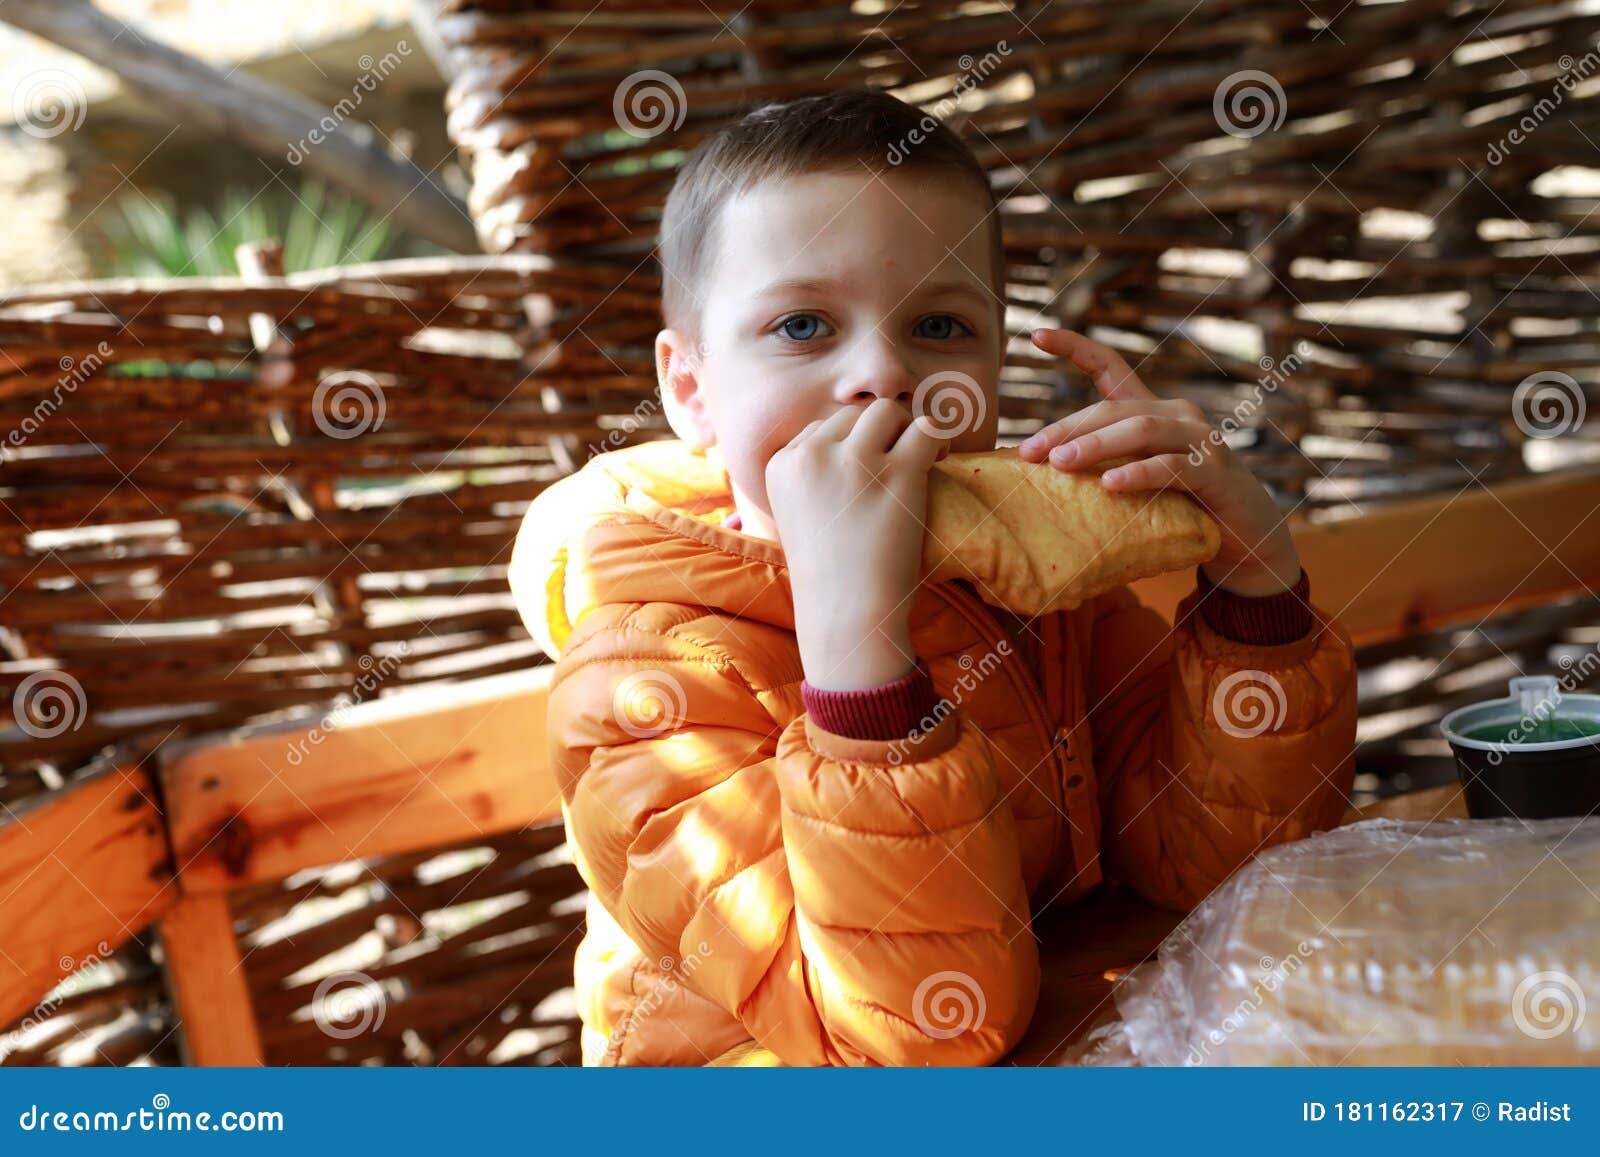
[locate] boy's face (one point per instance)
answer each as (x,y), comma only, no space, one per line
(830,290)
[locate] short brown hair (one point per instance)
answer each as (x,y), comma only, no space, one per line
(817,133)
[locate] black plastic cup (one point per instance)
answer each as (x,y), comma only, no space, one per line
(1527,780)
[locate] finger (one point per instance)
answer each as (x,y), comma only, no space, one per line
(1090,417)
(1112,376)
(837,425)
(879,425)
(1140,436)
(1098,415)
(921,444)
(810,428)
(1159,473)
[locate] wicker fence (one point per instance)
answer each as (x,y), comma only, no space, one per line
(1214,184)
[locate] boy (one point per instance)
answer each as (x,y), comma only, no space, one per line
(804,820)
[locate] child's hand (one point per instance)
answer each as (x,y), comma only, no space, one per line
(848,496)
(1176,447)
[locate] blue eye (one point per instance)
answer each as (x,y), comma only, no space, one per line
(943,333)
(808,324)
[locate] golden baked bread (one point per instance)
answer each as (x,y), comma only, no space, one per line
(1387,942)
(1035,539)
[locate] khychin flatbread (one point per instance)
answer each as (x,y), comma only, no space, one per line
(1036,539)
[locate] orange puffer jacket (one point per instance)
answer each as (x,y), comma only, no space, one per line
(845,901)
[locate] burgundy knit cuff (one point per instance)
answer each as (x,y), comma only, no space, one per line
(893,710)
(1260,620)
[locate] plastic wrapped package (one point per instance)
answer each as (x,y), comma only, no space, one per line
(1386,942)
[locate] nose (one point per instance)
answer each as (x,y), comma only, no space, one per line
(878,372)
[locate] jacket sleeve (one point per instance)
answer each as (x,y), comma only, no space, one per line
(1209,749)
(850,901)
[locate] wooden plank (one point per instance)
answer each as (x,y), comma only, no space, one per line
(1445,802)
(1414,565)
(422,769)
(207,982)
(81,871)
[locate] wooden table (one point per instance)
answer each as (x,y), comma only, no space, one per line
(1084,950)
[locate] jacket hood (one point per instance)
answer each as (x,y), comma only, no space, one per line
(634,525)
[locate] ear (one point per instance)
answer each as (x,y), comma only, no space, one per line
(678,375)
